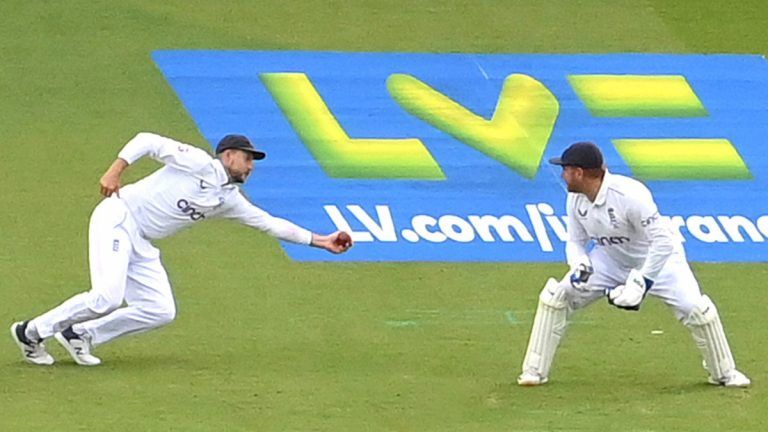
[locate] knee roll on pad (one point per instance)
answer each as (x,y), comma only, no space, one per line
(703,313)
(553,294)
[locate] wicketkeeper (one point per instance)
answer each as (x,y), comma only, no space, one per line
(634,254)
(125,266)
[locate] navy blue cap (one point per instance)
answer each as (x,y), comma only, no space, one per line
(239,142)
(582,155)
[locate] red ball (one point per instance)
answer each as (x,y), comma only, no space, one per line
(343,239)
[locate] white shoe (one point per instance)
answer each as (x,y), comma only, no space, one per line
(733,379)
(79,347)
(528,379)
(33,352)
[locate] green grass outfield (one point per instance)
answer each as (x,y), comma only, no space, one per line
(275,345)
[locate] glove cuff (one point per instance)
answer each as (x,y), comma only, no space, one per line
(648,283)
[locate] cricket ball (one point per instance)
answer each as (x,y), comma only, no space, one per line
(343,239)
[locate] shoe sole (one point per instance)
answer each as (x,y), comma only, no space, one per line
(71,351)
(532,383)
(722,384)
(21,345)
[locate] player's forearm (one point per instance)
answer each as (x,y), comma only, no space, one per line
(287,231)
(117,167)
(317,240)
(574,251)
(662,247)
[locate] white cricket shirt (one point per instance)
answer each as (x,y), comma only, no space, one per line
(191,187)
(625,222)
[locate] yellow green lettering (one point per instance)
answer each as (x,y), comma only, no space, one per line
(516,135)
(339,155)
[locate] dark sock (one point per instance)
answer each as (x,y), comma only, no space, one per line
(69,334)
(21,333)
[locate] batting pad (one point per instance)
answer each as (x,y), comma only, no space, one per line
(707,330)
(548,328)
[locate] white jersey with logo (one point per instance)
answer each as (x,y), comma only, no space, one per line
(191,187)
(625,223)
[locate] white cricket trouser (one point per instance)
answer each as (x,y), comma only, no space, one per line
(675,285)
(124,267)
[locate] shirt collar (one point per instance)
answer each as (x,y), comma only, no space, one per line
(601,194)
(222,178)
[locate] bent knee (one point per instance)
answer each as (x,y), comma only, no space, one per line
(102,304)
(160,316)
(684,310)
(554,294)
(702,312)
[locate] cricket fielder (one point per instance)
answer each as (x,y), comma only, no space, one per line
(634,254)
(126,267)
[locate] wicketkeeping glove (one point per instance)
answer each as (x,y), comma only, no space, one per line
(631,294)
(580,272)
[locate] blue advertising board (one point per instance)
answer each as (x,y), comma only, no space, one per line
(443,157)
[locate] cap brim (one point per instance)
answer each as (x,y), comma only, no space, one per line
(557,161)
(257,154)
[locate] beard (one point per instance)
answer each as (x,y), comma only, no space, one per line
(240,178)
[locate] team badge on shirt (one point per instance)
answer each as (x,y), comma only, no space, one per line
(612,217)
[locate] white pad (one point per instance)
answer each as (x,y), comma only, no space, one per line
(707,330)
(548,328)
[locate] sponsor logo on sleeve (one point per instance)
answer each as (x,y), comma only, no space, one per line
(649,220)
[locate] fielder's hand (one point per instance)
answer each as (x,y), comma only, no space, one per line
(338,242)
(109,184)
(110,181)
(580,273)
(631,294)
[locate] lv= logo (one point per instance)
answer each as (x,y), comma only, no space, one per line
(517,133)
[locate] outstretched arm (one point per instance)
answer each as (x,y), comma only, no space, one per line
(110,181)
(245,212)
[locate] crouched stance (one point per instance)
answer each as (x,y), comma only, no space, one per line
(130,291)
(634,254)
